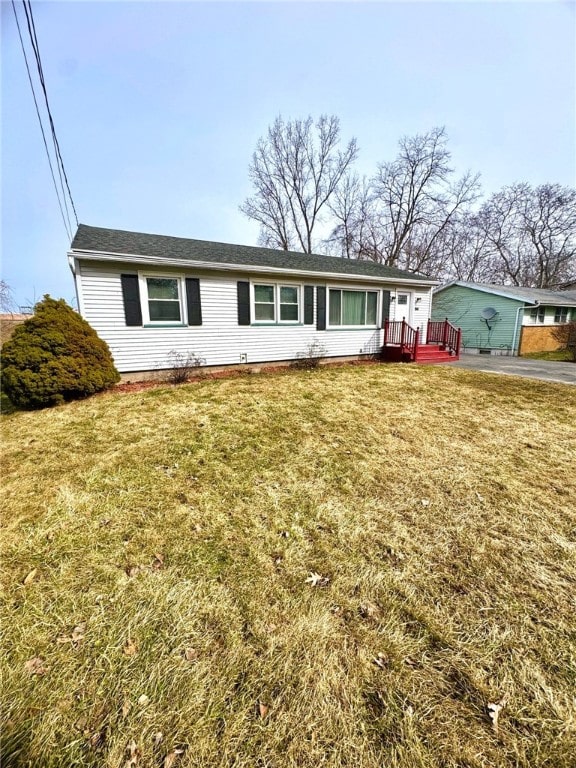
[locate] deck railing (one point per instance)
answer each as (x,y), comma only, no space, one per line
(444,333)
(400,333)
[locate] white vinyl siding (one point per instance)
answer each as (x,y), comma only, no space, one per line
(219,340)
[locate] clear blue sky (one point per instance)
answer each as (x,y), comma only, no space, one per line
(158,106)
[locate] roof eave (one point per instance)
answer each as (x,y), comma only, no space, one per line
(226,267)
(482,289)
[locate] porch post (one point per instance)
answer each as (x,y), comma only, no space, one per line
(445,334)
(416,340)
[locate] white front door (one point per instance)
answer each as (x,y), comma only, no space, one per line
(403,306)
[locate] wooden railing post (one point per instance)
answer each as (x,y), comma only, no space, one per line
(416,339)
(445,334)
(458,341)
(403,334)
(386,331)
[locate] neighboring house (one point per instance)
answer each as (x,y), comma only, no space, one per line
(147,295)
(503,320)
(9,321)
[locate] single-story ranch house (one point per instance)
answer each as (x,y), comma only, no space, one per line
(148,295)
(504,320)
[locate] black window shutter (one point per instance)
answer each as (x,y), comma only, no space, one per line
(243,302)
(321,308)
(193,301)
(385,306)
(131,296)
(308,305)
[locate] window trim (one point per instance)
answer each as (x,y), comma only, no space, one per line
(558,312)
(277,286)
(371,326)
(144,299)
(537,315)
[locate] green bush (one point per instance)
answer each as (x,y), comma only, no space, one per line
(55,356)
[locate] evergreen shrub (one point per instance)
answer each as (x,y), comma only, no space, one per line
(53,357)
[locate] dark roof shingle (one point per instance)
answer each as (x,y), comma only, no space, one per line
(117,241)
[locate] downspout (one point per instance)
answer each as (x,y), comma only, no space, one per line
(521,308)
(73,264)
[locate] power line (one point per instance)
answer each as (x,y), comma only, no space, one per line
(34,40)
(40,122)
(41,76)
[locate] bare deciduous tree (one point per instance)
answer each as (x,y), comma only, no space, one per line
(530,234)
(295,170)
(7,303)
(416,200)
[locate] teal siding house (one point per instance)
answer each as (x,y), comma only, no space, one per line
(503,320)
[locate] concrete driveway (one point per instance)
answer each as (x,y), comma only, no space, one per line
(546,370)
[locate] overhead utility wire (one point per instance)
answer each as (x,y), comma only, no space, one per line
(40,121)
(36,47)
(36,51)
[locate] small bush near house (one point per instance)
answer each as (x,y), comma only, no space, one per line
(311,357)
(182,366)
(566,335)
(55,356)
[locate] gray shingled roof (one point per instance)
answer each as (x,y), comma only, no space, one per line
(112,241)
(529,295)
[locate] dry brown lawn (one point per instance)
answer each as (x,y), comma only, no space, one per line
(338,568)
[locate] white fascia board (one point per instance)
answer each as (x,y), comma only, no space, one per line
(218,266)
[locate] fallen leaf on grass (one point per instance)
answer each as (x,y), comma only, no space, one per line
(158,738)
(191,654)
(144,700)
(126,707)
(133,755)
(75,638)
(130,648)
(263,710)
(35,666)
(425,502)
(410,661)
(494,711)
(98,739)
(30,577)
(78,633)
(381,660)
(172,757)
(316,580)
(158,561)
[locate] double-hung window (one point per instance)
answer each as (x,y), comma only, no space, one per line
(561,315)
(162,299)
(275,303)
(352,308)
(537,315)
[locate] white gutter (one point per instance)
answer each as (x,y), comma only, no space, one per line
(521,308)
(224,267)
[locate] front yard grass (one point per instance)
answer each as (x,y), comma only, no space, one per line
(337,568)
(558,355)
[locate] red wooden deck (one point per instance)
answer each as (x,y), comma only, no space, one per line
(402,343)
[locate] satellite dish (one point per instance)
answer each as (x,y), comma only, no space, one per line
(488,313)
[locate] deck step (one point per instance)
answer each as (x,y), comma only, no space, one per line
(430,353)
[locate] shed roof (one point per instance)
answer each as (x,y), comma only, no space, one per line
(527,295)
(122,243)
